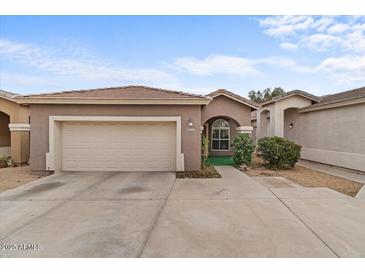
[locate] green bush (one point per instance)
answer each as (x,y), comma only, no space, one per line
(243,147)
(3,161)
(280,153)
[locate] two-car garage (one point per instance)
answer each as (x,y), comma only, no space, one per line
(118,146)
(121,143)
(131,128)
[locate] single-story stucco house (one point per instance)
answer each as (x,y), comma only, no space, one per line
(138,128)
(14,128)
(133,128)
(330,129)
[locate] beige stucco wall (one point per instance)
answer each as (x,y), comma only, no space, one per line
(19,140)
(236,113)
(226,107)
(191,140)
(276,109)
(334,136)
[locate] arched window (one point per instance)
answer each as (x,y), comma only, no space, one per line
(220,135)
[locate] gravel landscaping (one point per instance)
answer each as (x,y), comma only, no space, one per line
(306,177)
(12,177)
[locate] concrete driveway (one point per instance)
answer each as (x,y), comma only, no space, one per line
(112,214)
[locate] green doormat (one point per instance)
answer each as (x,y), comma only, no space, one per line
(220,160)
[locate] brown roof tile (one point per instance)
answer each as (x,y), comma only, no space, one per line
(125,92)
(236,96)
(7,94)
(343,96)
(291,93)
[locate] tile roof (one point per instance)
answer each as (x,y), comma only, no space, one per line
(291,93)
(335,98)
(7,94)
(236,96)
(124,92)
(342,96)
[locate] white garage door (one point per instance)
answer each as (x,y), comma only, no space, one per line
(102,146)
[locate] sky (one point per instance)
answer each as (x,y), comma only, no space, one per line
(197,54)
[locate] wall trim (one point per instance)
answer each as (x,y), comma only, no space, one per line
(19,127)
(53,159)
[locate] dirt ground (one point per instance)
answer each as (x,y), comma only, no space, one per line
(207,172)
(306,177)
(11,177)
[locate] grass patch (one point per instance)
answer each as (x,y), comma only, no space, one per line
(306,177)
(207,172)
(220,161)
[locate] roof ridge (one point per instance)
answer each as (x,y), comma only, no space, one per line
(8,94)
(119,87)
(237,96)
(291,92)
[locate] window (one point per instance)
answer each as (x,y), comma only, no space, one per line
(220,135)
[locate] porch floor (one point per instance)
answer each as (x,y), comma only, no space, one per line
(220,160)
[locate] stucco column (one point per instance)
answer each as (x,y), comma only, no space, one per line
(258,124)
(279,123)
(19,136)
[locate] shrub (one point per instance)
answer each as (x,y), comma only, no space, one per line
(243,147)
(280,153)
(3,161)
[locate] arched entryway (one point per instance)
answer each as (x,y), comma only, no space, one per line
(265,123)
(221,131)
(5,137)
(291,124)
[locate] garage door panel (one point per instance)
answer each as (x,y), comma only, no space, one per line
(118,146)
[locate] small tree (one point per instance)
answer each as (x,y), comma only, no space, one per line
(243,147)
(205,149)
(265,95)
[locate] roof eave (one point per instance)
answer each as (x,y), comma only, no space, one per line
(113,101)
(333,104)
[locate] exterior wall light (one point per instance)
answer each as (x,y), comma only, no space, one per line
(291,125)
(190,123)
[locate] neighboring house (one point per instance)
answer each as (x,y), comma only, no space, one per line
(14,128)
(330,129)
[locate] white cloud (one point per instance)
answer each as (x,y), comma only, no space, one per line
(85,67)
(286,25)
(338,28)
(320,42)
(317,33)
(345,69)
(230,65)
(289,46)
(217,64)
